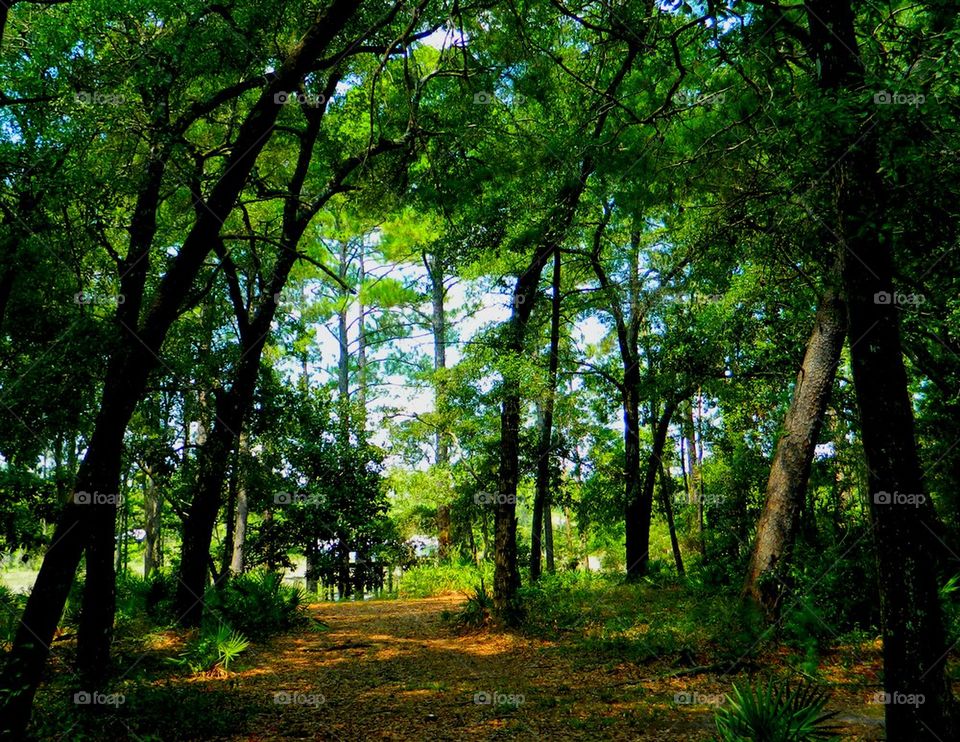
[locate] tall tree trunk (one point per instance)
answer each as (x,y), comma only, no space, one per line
(548,535)
(643,509)
(240,522)
(438,321)
(666,498)
(542,497)
(226,556)
(790,470)
(151,525)
(361,343)
(633,513)
(914,643)
(126,377)
(695,473)
(554,228)
(205,505)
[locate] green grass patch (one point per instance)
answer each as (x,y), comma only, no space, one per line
(427,581)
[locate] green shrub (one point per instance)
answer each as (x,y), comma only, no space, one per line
(11,606)
(429,580)
(950,600)
(774,713)
(571,600)
(213,649)
(477,612)
(257,604)
(823,603)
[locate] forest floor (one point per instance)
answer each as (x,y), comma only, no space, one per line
(396,670)
(399,670)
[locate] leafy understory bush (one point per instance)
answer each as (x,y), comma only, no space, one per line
(774,713)
(430,580)
(213,650)
(257,604)
(11,606)
(477,612)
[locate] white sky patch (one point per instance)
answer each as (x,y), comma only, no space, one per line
(445,37)
(824,451)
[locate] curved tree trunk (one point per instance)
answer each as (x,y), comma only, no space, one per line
(790,470)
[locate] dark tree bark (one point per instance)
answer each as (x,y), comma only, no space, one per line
(914,643)
(666,497)
(506,578)
(644,508)
(790,470)
(628,328)
(542,497)
(553,230)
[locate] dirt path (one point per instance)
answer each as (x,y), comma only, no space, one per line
(392,670)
